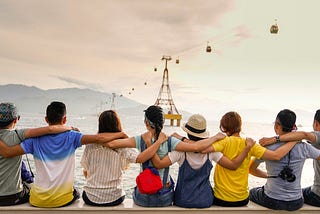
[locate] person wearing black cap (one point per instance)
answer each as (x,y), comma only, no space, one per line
(311,194)
(282,190)
(193,186)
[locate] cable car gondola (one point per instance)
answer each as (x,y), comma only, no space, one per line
(274,28)
(208,49)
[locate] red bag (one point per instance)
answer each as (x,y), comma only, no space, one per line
(149,181)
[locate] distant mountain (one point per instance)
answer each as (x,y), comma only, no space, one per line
(78,101)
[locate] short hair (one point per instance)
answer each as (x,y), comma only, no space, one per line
(317,116)
(109,121)
(287,120)
(55,112)
(231,123)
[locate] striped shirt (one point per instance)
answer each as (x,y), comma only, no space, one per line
(104,168)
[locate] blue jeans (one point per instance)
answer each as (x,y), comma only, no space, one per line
(153,200)
(310,197)
(258,196)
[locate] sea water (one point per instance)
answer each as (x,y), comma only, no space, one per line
(133,125)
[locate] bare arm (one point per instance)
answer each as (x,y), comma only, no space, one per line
(292,136)
(280,152)
(254,170)
(102,137)
(237,161)
(121,143)
(52,129)
(199,145)
(10,151)
(152,149)
(161,163)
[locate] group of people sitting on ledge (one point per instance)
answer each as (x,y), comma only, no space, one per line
(107,154)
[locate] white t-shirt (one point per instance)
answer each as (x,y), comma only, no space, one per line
(196,160)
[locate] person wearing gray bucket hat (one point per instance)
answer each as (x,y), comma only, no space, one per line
(12,189)
(195,167)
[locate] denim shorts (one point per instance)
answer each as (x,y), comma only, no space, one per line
(153,200)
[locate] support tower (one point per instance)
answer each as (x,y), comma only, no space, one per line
(165,100)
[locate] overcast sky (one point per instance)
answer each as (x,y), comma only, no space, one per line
(113,46)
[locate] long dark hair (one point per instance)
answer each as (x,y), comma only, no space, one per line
(109,121)
(154,117)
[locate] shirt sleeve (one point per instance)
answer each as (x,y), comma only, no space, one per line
(21,134)
(215,156)
(311,152)
(317,135)
(257,151)
(138,142)
(219,145)
(27,146)
(174,143)
(176,156)
(130,154)
(77,139)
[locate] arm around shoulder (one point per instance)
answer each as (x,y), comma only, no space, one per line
(8,152)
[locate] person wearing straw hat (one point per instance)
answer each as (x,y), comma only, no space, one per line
(193,188)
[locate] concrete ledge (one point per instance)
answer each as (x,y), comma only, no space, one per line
(129,206)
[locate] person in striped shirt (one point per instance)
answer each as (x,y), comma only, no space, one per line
(103,167)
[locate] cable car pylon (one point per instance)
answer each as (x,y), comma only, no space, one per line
(165,100)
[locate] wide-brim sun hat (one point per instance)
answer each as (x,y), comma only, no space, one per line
(196,126)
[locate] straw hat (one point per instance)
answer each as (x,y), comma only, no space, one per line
(196,126)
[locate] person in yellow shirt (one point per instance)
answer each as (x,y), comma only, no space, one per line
(231,186)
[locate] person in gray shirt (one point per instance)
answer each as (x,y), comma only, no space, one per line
(311,194)
(282,190)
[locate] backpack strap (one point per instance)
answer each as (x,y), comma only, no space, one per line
(32,175)
(142,148)
(166,170)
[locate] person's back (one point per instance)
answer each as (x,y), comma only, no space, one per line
(104,181)
(282,190)
(232,185)
(287,189)
(54,158)
(10,168)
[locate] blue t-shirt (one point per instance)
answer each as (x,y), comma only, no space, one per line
(54,157)
(162,151)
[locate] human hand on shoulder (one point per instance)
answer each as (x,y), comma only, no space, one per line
(162,137)
(219,136)
(176,135)
(265,141)
(250,142)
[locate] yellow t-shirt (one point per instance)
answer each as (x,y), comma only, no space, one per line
(232,185)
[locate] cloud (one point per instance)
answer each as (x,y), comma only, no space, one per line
(81,84)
